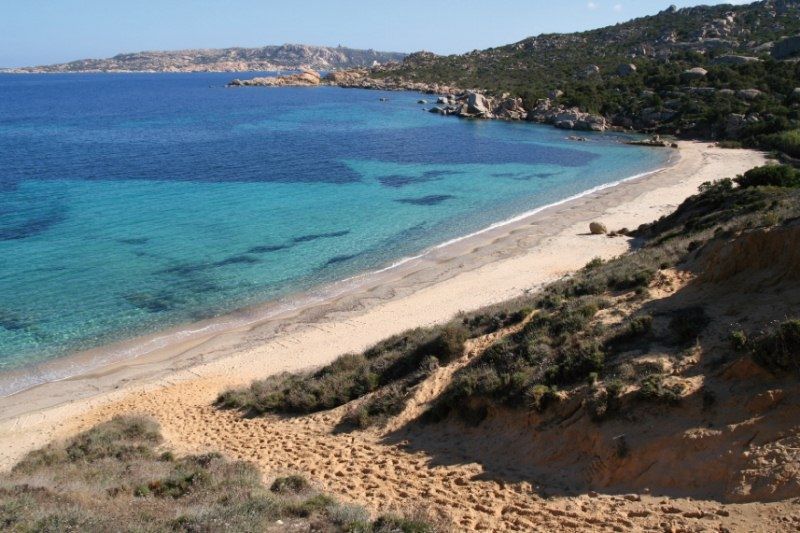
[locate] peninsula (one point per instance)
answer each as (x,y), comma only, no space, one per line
(266,58)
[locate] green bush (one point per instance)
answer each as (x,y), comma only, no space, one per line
(377,409)
(634,329)
(394,523)
(770,175)
(606,401)
(101,490)
(687,324)
(540,397)
(787,142)
(121,438)
(449,344)
(738,340)
(730,144)
(779,348)
(652,388)
(578,360)
(402,361)
(293,484)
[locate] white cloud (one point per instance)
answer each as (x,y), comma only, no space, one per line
(591,5)
(618,7)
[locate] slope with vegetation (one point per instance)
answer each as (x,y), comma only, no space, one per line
(673,367)
(118,477)
(723,72)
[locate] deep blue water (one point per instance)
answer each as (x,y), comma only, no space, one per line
(129,203)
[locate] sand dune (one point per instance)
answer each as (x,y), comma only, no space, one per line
(386,473)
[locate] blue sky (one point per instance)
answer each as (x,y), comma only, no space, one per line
(49,31)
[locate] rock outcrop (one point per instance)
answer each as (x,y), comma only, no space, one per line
(364,79)
(566,118)
(748,94)
(786,48)
(695,73)
(590,71)
(451,100)
(304,78)
(735,60)
(477,105)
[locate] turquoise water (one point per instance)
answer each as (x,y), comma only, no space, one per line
(131,203)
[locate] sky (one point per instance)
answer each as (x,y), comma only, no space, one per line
(36,32)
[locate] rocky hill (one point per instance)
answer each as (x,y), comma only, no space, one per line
(730,73)
(724,72)
(717,35)
(267,58)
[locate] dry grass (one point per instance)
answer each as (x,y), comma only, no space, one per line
(115,477)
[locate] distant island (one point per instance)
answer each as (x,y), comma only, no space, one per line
(267,58)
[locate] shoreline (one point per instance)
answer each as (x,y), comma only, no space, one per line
(492,265)
(89,361)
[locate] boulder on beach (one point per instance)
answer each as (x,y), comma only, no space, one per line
(598,228)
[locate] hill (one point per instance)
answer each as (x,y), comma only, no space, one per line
(714,72)
(267,58)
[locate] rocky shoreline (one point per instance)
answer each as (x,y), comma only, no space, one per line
(451,100)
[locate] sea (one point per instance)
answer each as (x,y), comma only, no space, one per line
(132,203)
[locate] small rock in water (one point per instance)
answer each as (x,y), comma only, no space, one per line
(384,99)
(422,101)
(597,228)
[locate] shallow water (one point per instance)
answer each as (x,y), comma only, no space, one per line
(130,203)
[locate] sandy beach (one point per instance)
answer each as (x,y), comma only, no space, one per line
(176,383)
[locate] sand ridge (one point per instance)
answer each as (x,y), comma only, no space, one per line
(383,473)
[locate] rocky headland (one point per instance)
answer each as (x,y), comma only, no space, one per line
(724,72)
(304,78)
(451,100)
